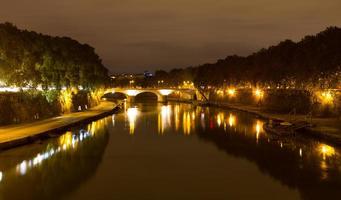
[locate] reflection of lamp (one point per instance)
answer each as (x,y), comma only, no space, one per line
(165,118)
(165,92)
(132,114)
(232,120)
(326,150)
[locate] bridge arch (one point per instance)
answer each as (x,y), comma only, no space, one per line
(147,95)
(160,93)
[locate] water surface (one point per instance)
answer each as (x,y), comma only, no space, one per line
(175,151)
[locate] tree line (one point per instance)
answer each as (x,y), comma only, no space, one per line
(30,59)
(315,61)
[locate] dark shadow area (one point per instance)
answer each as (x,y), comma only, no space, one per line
(312,176)
(146,97)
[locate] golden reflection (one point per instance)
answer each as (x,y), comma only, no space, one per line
(66,142)
(164,118)
(326,151)
(220,118)
(258,127)
(232,120)
(113,120)
(186,123)
(0,176)
(177,117)
(132,115)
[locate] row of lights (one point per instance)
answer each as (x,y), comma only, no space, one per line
(326,97)
(258,93)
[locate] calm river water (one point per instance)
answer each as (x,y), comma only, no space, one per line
(175,151)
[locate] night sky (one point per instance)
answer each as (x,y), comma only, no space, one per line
(135,35)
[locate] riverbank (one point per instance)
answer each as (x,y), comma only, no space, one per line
(326,129)
(16,135)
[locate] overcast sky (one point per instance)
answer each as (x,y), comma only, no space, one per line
(135,35)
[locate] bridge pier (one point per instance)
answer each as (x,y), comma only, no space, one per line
(162,98)
(130,99)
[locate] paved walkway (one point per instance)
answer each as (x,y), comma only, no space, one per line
(19,132)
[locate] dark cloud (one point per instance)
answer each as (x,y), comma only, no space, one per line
(134,35)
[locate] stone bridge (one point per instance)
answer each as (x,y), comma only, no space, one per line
(161,93)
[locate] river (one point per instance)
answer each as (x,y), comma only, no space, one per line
(174,151)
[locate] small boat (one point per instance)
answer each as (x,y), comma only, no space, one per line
(283,128)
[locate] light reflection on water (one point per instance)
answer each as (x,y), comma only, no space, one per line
(66,144)
(294,162)
(172,117)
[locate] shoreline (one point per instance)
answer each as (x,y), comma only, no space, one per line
(327,134)
(16,135)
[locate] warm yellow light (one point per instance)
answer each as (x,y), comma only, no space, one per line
(165,92)
(220,118)
(132,92)
(65,99)
(258,93)
(232,120)
(177,117)
(220,92)
(326,150)
(258,128)
(66,140)
(164,118)
(327,97)
(132,115)
(186,123)
(231,92)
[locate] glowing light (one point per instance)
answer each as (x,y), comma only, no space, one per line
(132,92)
(186,120)
(177,117)
(258,93)
(220,118)
(301,152)
(66,140)
(220,92)
(326,151)
(231,92)
(164,118)
(22,168)
(65,99)
(9,89)
(113,120)
(326,97)
(258,128)
(165,92)
(232,120)
(1,176)
(132,115)
(202,121)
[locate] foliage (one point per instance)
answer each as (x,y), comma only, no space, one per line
(313,62)
(29,59)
